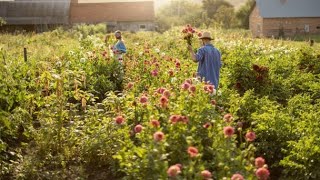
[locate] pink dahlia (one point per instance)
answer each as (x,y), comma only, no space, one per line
(192,88)
(259,162)
(207,125)
(163,100)
(130,85)
(227,118)
(174,119)
(262,173)
(213,102)
(192,151)
(119,119)
(185,86)
(228,131)
(250,136)
(166,93)
(155,123)
(237,177)
(206,174)
(173,171)
(158,136)
(143,99)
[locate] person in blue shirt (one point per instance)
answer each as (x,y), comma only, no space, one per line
(209,60)
(119,48)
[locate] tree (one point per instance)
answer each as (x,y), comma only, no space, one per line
(2,21)
(177,13)
(206,20)
(194,17)
(225,16)
(212,6)
(244,12)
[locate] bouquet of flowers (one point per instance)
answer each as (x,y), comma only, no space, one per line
(188,33)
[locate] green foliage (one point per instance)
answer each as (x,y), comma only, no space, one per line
(308,61)
(212,6)
(283,130)
(178,13)
(143,157)
(244,12)
(58,110)
(217,13)
(225,16)
(87,30)
(301,160)
(106,76)
(2,21)
(41,98)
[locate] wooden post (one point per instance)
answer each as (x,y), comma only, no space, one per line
(25,54)
(4,58)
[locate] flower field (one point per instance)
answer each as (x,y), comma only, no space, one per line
(73,112)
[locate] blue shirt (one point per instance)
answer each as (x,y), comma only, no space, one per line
(209,59)
(121,47)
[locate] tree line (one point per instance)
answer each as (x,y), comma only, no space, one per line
(209,13)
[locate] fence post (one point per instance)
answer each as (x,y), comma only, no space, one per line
(25,54)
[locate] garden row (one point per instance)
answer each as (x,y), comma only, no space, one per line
(71,111)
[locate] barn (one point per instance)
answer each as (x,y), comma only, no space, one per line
(285,18)
(129,15)
(133,15)
(35,14)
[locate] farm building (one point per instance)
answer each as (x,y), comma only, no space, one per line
(285,18)
(130,15)
(35,13)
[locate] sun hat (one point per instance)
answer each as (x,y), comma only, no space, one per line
(117,31)
(118,34)
(206,35)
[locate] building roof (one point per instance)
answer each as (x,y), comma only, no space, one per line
(35,11)
(288,8)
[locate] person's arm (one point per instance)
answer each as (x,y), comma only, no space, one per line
(193,55)
(196,57)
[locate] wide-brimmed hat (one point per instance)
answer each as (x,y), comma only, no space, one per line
(206,35)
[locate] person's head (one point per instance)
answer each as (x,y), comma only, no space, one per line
(205,38)
(117,34)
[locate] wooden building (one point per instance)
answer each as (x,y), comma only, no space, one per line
(128,15)
(132,15)
(285,18)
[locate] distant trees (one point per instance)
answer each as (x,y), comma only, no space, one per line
(221,12)
(2,21)
(226,17)
(212,6)
(244,13)
(179,12)
(211,12)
